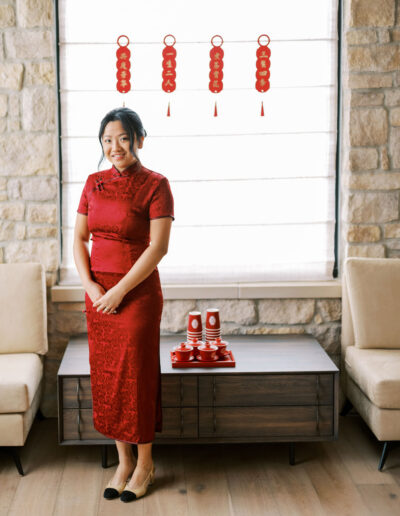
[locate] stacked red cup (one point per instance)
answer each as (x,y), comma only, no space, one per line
(213,327)
(195,327)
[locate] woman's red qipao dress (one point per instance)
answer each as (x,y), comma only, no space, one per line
(124,347)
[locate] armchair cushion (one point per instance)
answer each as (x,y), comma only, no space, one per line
(23,314)
(374,294)
(20,375)
(377,374)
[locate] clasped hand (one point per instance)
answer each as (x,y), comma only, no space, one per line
(109,302)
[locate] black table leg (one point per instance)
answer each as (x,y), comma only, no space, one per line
(384,455)
(104,456)
(291,454)
(346,407)
(15,455)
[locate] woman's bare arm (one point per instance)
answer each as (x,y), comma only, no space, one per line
(81,249)
(160,230)
(108,301)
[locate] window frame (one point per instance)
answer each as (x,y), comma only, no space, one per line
(336,272)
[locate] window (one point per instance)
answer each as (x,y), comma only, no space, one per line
(254,196)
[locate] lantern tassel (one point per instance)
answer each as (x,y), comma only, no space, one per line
(262,108)
(215,109)
(123,103)
(168,111)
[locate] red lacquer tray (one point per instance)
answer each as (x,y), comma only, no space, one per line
(227,361)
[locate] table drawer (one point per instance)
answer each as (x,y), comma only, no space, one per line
(263,390)
(296,421)
(177,422)
(78,425)
(176,391)
(76,392)
(179,390)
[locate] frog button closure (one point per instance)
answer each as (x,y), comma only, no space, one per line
(99,184)
(116,173)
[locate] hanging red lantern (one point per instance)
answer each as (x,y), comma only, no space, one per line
(263,64)
(169,68)
(123,66)
(216,65)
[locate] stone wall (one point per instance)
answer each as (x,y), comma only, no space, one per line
(369,185)
(370,179)
(29,227)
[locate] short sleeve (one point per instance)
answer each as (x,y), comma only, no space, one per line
(83,203)
(162,201)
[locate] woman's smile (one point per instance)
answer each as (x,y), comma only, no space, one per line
(116,146)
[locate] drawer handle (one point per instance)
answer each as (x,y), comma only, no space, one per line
(79,407)
(181,390)
(181,402)
(214,391)
(79,424)
(182,422)
(214,402)
(77,392)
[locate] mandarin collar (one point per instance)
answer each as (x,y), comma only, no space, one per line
(132,168)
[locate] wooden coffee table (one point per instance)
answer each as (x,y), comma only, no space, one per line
(283,388)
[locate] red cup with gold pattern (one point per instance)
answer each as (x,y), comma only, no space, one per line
(212,319)
(195,326)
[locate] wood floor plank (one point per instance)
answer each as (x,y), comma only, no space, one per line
(360,451)
(43,463)
(81,482)
(195,480)
(292,488)
(392,464)
(9,481)
(207,485)
(381,499)
(250,492)
(168,496)
(336,491)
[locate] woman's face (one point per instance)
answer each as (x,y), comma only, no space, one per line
(115,141)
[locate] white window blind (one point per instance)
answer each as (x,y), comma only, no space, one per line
(254,196)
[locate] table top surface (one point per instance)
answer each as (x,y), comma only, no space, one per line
(254,354)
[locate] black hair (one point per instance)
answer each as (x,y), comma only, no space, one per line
(130,121)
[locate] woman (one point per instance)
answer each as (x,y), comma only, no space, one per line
(129,210)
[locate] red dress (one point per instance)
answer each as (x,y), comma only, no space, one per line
(124,347)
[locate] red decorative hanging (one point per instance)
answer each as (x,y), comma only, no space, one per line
(169,68)
(123,66)
(263,64)
(216,64)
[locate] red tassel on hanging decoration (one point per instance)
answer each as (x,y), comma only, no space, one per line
(123,66)
(169,68)
(263,64)
(216,64)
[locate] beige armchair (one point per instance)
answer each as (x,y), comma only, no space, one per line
(23,342)
(370,372)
